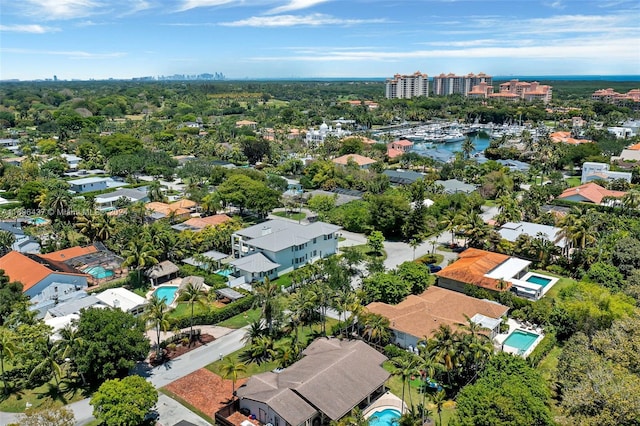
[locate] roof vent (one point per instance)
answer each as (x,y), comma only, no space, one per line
(266,230)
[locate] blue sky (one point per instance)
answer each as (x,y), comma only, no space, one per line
(84,39)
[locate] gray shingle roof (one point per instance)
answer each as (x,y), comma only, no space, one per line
(333,377)
(276,235)
(256,262)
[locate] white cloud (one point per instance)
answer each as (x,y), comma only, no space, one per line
(315,20)
(193,4)
(556,4)
(32,29)
(296,5)
(61,9)
(590,49)
(71,54)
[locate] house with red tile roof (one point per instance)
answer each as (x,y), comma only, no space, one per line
(362,161)
(565,137)
(199,223)
(45,281)
(420,316)
(590,193)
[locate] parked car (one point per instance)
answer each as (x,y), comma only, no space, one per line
(458,249)
(434,268)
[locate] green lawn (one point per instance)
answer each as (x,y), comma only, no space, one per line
(368,253)
(562,283)
(183,309)
(291,215)
(44,395)
(547,369)
(573,181)
(395,386)
(242,319)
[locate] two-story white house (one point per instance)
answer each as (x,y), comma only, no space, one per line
(275,247)
(600,171)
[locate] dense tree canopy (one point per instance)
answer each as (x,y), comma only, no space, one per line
(123,402)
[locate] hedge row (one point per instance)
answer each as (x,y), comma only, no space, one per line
(543,348)
(214,316)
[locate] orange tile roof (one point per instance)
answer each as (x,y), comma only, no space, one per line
(421,315)
(565,137)
(69,253)
(184,204)
(402,142)
(592,192)
(361,160)
(472,265)
(635,147)
(203,222)
(394,153)
(21,268)
(166,209)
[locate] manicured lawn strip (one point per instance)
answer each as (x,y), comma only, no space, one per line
(241,320)
(186,404)
(573,181)
(288,215)
(17,401)
(562,283)
(252,368)
(439,258)
(368,253)
(283,281)
(395,386)
(183,309)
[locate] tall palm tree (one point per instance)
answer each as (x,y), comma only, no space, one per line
(231,369)
(193,293)
(468,147)
(49,361)
(157,315)
(405,367)
(104,226)
(7,351)
(438,399)
(6,242)
(155,192)
(139,255)
(70,345)
(267,296)
(444,344)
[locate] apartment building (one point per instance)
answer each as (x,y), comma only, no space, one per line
(407,86)
(451,84)
(528,91)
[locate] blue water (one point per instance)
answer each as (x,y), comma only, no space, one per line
(38,221)
(385,417)
(536,279)
(224,272)
(166,293)
(98,272)
(445,151)
(521,340)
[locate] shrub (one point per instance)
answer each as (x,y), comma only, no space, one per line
(214,316)
(543,348)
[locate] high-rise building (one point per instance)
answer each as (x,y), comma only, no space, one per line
(407,86)
(451,84)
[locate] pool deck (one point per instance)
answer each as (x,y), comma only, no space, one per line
(513,326)
(387,400)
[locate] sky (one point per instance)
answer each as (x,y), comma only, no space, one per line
(245,39)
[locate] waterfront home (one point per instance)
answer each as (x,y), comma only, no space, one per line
(276,247)
(420,316)
(332,378)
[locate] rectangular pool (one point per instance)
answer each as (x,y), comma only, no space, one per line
(521,340)
(537,279)
(166,293)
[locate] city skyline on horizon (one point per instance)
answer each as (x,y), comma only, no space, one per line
(306,39)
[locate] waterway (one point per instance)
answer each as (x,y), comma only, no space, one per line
(446,151)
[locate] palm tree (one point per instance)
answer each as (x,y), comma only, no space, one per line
(156,313)
(267,294)
(438,399)
(444,343)
(231,369)
(104,226)
(631,200)
(211,203)
(193,293)
(49,361)
(6,241)
(139,254)
(468,147)
(376,328)
(414,243)
(405,367)
(261,350)
(7,351)
(155,192)
(256,329)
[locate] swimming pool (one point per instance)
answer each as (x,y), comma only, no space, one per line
(166,293)
(537,279)
(385,417)
(224,272)
(38,221)
(521,340)
(98,272)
